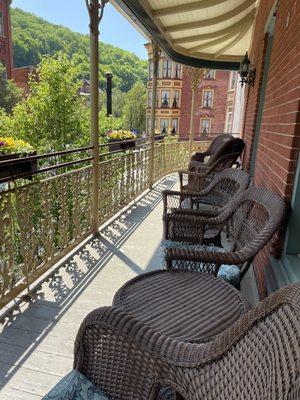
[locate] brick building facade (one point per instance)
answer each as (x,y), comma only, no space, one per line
(272,131)
(22,77)
(5,38)
(215,100)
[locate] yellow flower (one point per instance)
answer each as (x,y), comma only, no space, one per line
(120,135)
(9,145)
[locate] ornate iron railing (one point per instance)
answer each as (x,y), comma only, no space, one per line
(42,221)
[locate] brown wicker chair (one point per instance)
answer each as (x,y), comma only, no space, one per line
(257,358)
(199,175)
(249,222)
(213,149)
(209,202)
(223,188)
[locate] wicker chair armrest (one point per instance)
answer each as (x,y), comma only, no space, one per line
(186,254)
(196,174)
(122,331)
(202,218)
(174,202)
(155,346)
(199,157)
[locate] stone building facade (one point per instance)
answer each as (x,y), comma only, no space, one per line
(215,100)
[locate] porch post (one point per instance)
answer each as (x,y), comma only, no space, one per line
(192,130)
(196,76)
(95,9)
(156,55)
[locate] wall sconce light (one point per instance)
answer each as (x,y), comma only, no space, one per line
(247,72)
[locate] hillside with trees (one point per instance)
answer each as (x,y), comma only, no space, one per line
(34,37)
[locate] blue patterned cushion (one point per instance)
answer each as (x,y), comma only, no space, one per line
(230,273)
(75,386)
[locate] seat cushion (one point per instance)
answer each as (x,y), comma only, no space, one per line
(75,386)
(184,305)
(230,273)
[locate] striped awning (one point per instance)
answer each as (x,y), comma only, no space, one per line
(211,33)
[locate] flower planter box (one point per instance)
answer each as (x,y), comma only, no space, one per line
(123,145)
(159,137)
(10,171)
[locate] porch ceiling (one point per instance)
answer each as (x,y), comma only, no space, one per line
(207,33)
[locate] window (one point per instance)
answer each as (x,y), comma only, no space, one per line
(158,69)
(1,24)
(151,67)
(165,98)
(205,125)
(150,98)
(233,79)
(164,125)
(228,126)
(177,71)
(174,126)
(207,98)
(167,68)
(210,74)
(149,125)
(176,99)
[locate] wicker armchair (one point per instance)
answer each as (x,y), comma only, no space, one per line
(249,222)
(213,149)
(223,188)
(209,202)
(257,358)
(199,175)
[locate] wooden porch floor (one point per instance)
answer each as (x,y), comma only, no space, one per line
(36,341)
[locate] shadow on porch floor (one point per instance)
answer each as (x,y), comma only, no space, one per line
(36,341)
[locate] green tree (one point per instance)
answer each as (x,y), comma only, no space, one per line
(35,38)
(135,107)
(10,94)
(53,117)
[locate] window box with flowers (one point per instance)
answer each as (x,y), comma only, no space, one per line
(11,149)
(121,140)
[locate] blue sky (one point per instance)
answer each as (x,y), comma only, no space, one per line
(115,29)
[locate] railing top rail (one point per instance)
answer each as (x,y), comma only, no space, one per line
(141,144)
(41,156)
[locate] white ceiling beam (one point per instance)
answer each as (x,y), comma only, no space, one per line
(221,51)
(186,7)
(210,43)
(230,29)
(239,28)
(212,21)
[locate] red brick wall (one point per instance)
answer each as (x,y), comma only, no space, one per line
(279,139)
(21,78)
(5,41)
(217,113)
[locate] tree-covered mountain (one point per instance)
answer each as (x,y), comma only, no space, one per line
(34,37)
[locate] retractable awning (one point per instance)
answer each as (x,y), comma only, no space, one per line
(206,33)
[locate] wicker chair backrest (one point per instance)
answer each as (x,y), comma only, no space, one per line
(255,216)
(218,142)
(226,161)
(225,185)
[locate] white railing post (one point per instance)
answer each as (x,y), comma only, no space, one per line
(95,9)
(156,56)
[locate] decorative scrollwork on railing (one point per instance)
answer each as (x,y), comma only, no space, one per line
(42,221)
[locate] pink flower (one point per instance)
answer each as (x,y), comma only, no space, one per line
(2,143)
